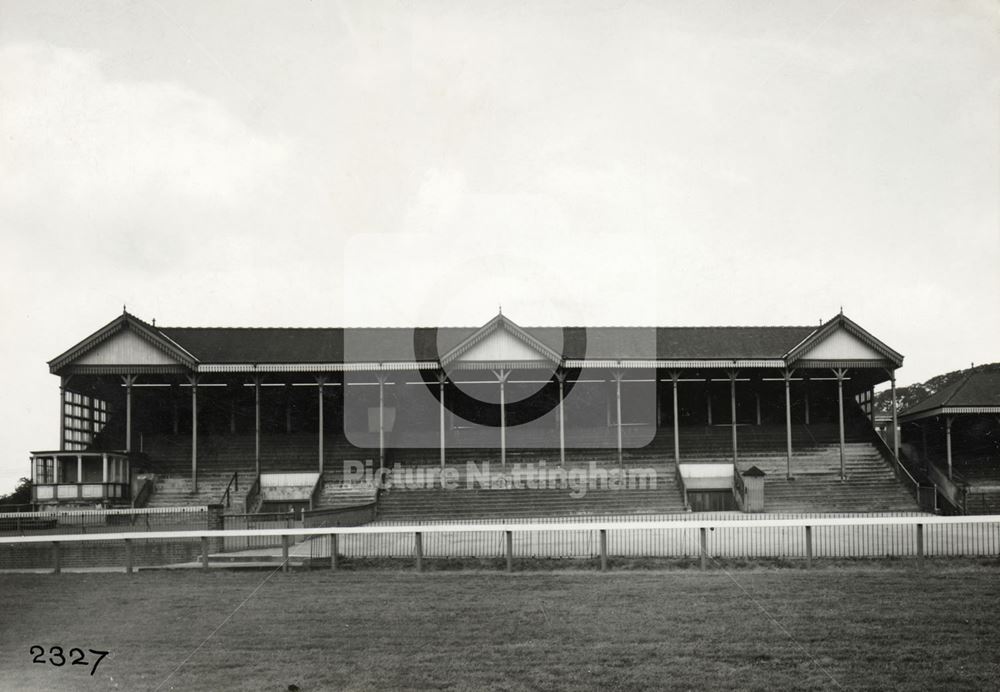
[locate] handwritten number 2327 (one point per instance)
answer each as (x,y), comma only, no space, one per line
(76,657)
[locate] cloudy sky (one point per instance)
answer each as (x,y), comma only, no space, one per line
(399,163)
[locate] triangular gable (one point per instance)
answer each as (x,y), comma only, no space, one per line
(500,340)
(842,340)
(125,341)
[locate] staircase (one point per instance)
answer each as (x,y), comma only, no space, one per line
(816,486)
(472,501)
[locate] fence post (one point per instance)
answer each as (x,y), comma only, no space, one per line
(920,544)
(704,547)
(333,550)
(284,553)
(56,562)
(510,550)
(128,556)
(418,549)
(809,547)
(604,550)
(204,552)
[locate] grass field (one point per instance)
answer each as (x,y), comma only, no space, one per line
(855,627)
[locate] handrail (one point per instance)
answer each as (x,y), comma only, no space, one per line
(253,499)
(142,495)
(680,482)
(234,485)
(739,489)
(316,491)
(892,458)
(916,487)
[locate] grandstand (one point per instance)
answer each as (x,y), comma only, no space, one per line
(953,437)
(521,422)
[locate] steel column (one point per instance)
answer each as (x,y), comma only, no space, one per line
(788,424)
(947,433)
(674,377)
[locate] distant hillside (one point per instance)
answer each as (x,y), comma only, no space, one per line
(907,396)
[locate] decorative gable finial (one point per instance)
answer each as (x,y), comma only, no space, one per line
(842,310)
(124,309)
(500,308)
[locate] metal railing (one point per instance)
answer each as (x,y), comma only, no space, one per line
(254,497)
(682,486)
(317,490)
(926,496)
(739,489)
(233,486)
(145,489)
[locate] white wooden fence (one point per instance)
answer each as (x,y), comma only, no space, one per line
(807,538)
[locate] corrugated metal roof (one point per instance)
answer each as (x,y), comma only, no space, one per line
(390,344)
(977,389)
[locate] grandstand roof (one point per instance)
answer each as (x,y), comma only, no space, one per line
(977,392)
(214,348)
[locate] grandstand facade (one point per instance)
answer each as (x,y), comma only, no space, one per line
(264,419)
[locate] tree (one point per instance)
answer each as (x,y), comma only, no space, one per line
(915,393)
(21,494)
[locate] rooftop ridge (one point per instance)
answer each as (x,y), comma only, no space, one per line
(602,326)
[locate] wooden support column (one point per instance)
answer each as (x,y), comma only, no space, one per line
(871,405)
(895,417)
(129,381)
(708,399)
(561,377)
(502,376)
(79,468)
(104,468)
(128,556)
(809,547)
(381,421)
(193,379)
(840,374)
(175,397)
(63,381)
(233,392)
(756,396)
(257,380)
(947,438)
(703,534)
(604,550)
(618,375)
(805,390)
(675,377)
(788,423)
(442,379)
(732,410)
(288,408)
(320,382)
(509,541)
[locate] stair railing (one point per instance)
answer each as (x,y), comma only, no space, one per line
(739,489)
(680,482)
(316,492)
(232,487)
(143,493)
(254,499)
(925,495)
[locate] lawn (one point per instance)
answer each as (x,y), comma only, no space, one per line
(856,627)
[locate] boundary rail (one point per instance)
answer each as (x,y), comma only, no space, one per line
(981,536)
